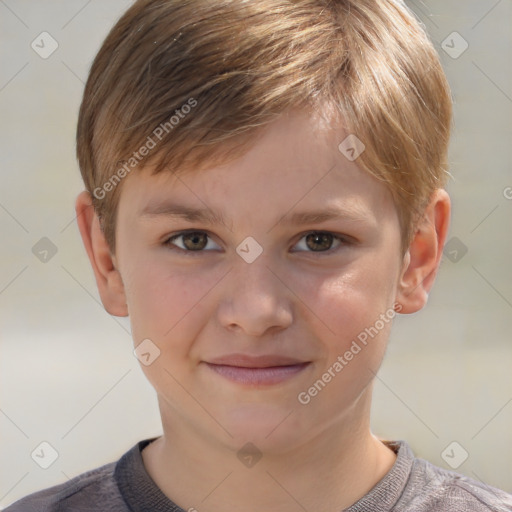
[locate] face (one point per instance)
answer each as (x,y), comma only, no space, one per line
(270,320)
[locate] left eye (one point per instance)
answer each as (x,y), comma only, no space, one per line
(197,241)
(320,241)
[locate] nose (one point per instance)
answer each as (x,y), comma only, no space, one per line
(255,299)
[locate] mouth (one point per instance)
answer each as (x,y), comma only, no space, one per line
(257,370)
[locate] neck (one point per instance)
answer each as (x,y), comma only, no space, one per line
(331,471)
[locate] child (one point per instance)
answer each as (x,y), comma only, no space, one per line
(305,143)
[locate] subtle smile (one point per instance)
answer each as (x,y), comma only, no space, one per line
(256,370)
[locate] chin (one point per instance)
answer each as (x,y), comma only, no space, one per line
(269,428)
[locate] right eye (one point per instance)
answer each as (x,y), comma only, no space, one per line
(192,241)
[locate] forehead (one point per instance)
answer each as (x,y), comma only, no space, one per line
(293,164)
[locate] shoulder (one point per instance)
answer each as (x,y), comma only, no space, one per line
(85,492)
(434,489)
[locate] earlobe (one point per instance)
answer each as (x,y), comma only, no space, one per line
(108,278)
(421,261)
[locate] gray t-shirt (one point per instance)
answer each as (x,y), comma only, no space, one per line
(412,485)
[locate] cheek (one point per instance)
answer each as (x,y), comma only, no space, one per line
(353,313)
(355,310)
(351,299)
(163,300)
(165,306)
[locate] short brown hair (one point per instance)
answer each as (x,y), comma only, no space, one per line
(207,74)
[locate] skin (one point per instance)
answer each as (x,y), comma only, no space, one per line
(298,298)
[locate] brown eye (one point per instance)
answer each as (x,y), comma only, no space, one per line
(322,242)
(195,241)
(191,241)
(319,241)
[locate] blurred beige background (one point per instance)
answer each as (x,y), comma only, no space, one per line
(68,374)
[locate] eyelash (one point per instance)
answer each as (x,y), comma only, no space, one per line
(343,239)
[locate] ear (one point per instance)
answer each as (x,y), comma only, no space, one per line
(423,257)
(108,278)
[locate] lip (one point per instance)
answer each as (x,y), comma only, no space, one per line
(263,361)
(257,370)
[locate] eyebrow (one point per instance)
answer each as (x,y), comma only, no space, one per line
(211,217)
